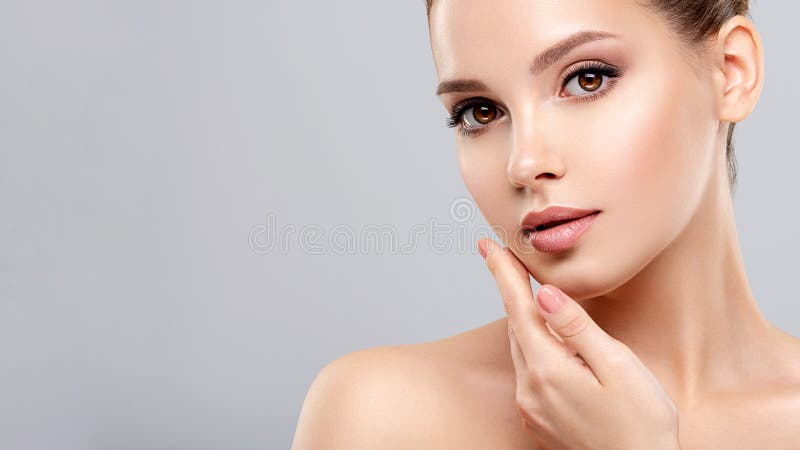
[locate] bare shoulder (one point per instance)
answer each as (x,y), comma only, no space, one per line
(368,399)
(405,396)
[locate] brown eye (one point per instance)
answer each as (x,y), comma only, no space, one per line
(472,116)
(484,113)
(481,113)
(590,81)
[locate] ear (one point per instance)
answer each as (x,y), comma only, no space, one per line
(740,60)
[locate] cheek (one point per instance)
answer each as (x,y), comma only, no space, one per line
(482,165)
(646,167)
(658,164)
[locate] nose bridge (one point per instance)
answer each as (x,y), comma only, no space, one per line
(531,157)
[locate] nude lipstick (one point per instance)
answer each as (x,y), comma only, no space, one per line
(556,228)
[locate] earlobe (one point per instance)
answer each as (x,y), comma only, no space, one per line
(742,68)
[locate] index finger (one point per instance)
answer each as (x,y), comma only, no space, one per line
(529,327)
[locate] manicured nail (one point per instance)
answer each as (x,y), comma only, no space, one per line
(482,248)
(548,300)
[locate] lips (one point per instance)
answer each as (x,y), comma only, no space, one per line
(557,228)
(552,216)
(551,224)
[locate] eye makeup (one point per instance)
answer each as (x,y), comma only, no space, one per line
(608,73)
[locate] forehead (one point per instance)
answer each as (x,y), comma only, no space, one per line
(469,37)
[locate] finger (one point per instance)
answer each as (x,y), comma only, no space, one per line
(554,334)
(566,345)
(570,321)
(520,365)
(570,352)
(513,281)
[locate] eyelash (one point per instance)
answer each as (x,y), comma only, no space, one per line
(455,119)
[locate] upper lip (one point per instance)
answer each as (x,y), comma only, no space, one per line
(551,214)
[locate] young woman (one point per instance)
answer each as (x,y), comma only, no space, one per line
(595,136)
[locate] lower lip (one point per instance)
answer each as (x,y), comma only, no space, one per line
(561,237)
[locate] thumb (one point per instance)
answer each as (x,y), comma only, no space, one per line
(572,323)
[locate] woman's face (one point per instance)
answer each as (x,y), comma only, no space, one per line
(636,136)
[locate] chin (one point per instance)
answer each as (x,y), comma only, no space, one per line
(583,276)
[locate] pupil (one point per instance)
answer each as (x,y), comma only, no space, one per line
(484,114)
(589,81)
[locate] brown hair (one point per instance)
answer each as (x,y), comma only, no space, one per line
(693,22)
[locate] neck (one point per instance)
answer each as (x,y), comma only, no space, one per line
(690,315)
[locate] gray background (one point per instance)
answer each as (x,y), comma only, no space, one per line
(143,142)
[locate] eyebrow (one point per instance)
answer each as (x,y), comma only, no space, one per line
(542,61)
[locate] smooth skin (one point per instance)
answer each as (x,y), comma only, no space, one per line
(659,271)
(606,399)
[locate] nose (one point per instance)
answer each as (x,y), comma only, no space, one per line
(532,159)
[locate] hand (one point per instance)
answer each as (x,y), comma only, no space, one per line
(602,398)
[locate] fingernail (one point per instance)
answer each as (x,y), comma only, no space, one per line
(548,300)
(482,248)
